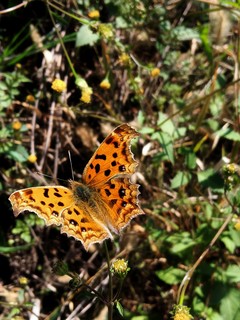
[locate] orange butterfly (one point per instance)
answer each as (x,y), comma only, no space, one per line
(104,202)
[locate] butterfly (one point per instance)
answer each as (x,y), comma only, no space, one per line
(103,203)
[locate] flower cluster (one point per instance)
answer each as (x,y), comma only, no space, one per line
(120,268)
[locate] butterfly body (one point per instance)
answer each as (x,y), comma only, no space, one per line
(104,202)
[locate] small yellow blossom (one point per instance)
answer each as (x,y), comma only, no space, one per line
(181,313)
(237,225)
(85,89)
(32,158)
(30,98)
(94,14)
(106,30)
(105,84)
(58,85)
(155,72)
(86,94)
(124,59)
(23,280)
(18,66)
(16,125)
(120,268)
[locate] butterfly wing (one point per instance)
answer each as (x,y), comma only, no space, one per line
(56,205)
(80,225)
(113,157)
(121,197)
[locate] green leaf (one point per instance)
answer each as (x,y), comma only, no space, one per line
(230,245)
(120,308)
(211,179)
(230,306)
(190,157)
(146,130)
(14,249)
(166,124)
(229,134)
(85,36)
(185,34)
(171,275)
(206,43)
(181,179)
(18,153)
(233,273)
(166,142)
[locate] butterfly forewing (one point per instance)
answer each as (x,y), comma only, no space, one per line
(113,157)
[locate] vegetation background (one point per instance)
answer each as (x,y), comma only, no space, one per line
(171,70)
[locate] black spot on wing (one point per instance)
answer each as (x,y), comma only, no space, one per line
(97,168)
(101,156)
(113,163)
(108,193)
(109,140)
(121,193)
(107,172)
(122,168)
(45,193)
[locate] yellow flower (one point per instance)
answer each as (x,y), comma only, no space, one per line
(16,125)
(181,313)
(105,84)
(23,280)
(106,30)
(94,14)
(86,94)
(85,89)
(120,268)
(30,98)
(32,158)
(124,59)
(237,225)
(58,85)
(155,72)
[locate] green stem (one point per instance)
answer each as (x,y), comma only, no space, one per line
(188,276)
(61,41)
(118,291)
(110,301)
(81,20)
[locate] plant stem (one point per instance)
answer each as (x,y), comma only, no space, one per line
(110,299)
(62,43)
(188,276)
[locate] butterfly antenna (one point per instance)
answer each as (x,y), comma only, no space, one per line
(70,160)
